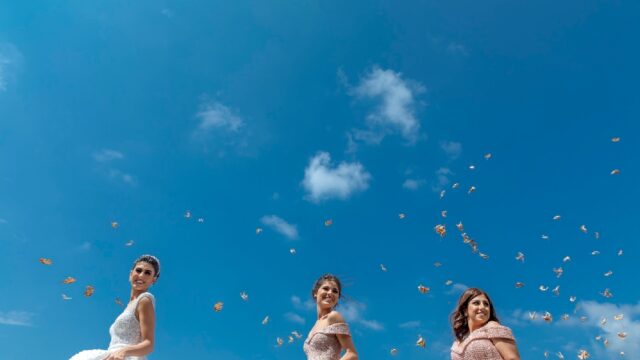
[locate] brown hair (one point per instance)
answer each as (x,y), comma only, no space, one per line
(322,279)
(458,317)
(151,260)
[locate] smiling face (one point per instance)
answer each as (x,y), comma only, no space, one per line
(478,311)
(142,276)
(327,295)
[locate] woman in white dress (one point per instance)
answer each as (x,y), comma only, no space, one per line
(132,334)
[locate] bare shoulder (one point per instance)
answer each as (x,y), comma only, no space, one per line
(145,304)
(334,318)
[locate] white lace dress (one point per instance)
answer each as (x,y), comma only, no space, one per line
(124,331)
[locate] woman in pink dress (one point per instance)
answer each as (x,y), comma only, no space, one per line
(330,334)
(132,333)
(478,332)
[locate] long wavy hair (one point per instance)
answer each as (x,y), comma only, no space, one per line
(458,317)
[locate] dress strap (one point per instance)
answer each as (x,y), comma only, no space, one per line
(337,328)
(487,332)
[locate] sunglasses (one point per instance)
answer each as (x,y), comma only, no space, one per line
(140,270)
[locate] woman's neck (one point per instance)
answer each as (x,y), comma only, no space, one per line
(323,312)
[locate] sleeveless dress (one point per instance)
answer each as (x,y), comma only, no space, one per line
(124,331)
(478,344)
(323,344)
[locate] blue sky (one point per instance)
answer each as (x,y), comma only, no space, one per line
(282,115)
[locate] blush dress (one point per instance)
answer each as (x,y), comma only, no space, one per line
(323,344)
(478,344)
(124,331)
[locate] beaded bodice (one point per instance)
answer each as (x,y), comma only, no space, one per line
(478,344)
(126,329)
(323,344)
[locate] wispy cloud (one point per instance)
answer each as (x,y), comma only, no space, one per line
(630,324)
(122,176)
(86,246)
(451,148)
(17,318)
(410,324)
(457,289)
(457,49)
(395,108)
(594,313)
(222,131)
(105,159)
(167,12)
(413,184)
(306,305)
(294,318)
(106,155)
(323,180)
(281,226)
(10,59)
(442,179)
(352,311)
(214,115)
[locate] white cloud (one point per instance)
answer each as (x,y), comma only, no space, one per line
(294,318)
(167,12)
(221,131)
(280,226)
(410,324)
(451,148)
(17,318)
(395,110)
(307,305)
(413,184)
(105,158)
(10,58)
(593,312)
(629,324)
(457,289)
(457,49)
(352,312)
(214,115)
(442,179)
(324,181)
(122,176)
(106,155)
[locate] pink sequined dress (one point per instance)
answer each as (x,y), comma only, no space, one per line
(323,344)
(478,344)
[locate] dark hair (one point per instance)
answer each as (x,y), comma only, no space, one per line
(322,279)
(458,317)
(151,260)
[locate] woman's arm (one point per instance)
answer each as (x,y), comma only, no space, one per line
(147,318)
(346,342)
(350,350)
(507,348)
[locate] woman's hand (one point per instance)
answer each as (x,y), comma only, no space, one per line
(117,355)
